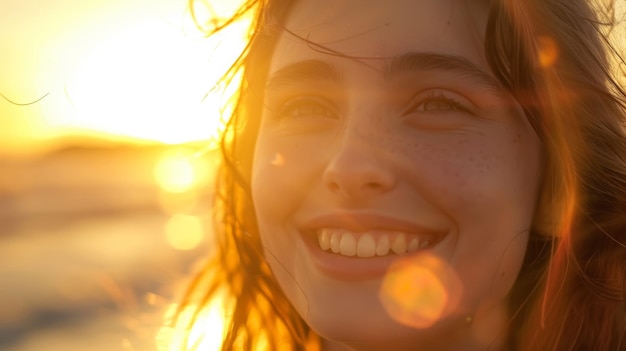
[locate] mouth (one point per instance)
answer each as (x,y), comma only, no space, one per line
(363,254)
(373,243)
(357,246)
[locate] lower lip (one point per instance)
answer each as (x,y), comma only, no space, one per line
(349,268)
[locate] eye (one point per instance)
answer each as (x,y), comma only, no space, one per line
(307,107)
(439,101)
(440,110)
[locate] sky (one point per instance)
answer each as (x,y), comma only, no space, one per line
(129,69)
(124,69)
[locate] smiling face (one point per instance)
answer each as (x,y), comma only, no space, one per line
(386,139)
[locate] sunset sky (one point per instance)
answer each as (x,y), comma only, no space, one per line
(135,69)
(129,69)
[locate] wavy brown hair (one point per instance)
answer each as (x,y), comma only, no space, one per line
(556,59)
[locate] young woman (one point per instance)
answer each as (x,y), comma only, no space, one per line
(423,175)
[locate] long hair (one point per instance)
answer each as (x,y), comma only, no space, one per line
(554,57)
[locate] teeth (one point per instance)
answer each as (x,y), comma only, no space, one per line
(366,246)
(414,245)
(324,239)
(398,246)
(369,244)
(347,245)
(334,242)
(382,248)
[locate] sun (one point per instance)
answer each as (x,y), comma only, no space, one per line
(149,78)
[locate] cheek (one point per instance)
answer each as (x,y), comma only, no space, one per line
(272,194)
(468,175)
(278,179)
(488,187)
(279,185)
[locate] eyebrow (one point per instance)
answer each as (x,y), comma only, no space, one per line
(438,62)
(317,70)
(309,70)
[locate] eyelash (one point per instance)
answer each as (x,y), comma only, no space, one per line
(319,107)
(438,96)
(313,103)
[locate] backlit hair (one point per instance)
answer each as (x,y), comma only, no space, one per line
(555,58)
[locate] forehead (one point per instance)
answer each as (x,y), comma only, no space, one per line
(370,29)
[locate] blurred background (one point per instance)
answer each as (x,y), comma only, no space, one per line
(108,125)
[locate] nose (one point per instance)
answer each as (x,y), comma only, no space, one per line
(358,169)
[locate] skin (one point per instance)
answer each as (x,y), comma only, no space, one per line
(448,151)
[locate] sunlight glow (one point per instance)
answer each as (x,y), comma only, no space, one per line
(548,52)
(419,291)
(175,174)
(184,232)
(181,170)
(278,160)
(206,334)
(148,78)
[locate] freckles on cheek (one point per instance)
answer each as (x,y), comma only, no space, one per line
(461,172)
(446,166)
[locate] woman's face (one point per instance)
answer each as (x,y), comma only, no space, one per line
(385,138)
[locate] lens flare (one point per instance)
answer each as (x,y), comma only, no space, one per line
(180,170)
(548,51)
(175,174)
(184,232)
(278,160)
(419,291)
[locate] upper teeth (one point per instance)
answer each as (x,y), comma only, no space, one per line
(369,244)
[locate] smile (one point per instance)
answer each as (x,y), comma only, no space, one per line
(362,245)
(370,243)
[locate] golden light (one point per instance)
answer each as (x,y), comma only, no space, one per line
(548,51)
(184,232)
(133,70)
(149,81)
(175,174)
(180,170)
(278,160)
(205,334)
(419,291)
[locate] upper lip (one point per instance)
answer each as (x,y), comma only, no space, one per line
(361,222)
